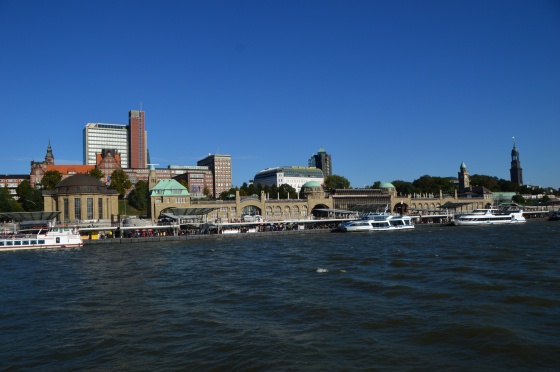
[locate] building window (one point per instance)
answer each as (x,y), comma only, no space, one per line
(66,209)
(90,208)
(77,209)
(100,208)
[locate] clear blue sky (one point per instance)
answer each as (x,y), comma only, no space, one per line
(391,89)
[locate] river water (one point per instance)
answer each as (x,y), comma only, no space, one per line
(454,298)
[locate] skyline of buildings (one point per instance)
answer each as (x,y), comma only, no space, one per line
(113,146)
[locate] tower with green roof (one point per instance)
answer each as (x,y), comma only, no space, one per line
(464,179)
(167,194)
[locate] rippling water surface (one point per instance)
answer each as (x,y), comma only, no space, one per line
(437,297)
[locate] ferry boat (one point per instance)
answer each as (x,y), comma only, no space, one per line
(492,216)
(377,222)
(51,237)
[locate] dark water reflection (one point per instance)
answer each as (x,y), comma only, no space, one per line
(437,297)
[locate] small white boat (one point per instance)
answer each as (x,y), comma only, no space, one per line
(492,216)
(377,222)
(52,237)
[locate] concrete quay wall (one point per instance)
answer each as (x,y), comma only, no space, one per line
(202,237)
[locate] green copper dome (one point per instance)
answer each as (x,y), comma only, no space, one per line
(386,185)
(311,184)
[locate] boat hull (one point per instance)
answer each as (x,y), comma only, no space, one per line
(483,217)
(483,223)
(377,222)
(57,237)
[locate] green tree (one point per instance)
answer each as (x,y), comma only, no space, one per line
(96,173)
(7,202)
(273,192)
(206,191)
(138,197)
(336,182)
(491,183)
(403,187)
(506,186)
(432,185)
(51,179)
(284,190)
(120,182)
(518,199)
(30,198)
(252,190)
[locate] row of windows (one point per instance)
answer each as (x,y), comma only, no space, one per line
(89,208)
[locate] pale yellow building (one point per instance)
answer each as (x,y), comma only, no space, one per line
(82,198)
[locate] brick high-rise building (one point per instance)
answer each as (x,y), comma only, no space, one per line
(138,149)
(220,165)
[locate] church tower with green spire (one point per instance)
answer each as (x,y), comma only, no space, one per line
(49,157)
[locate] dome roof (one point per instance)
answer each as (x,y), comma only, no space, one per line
(386,185)
(311,184)
(80,184)
(80,180)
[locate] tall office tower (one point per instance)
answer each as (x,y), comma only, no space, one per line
(220,165)
(515,172)
(322,160)
(99,136)
(138,149)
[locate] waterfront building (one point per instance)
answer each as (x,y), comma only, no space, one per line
(108,160)
(466,190)
(321,160)
(81,197)
(220,165)
(167,194)
(516,172)
(199,179)
(137,139)
(12,181)
(38,168)
(99,136)
(363,200)
(295,176)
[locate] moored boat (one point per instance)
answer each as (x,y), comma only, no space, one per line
(377,222)
(508,214)
(51,237)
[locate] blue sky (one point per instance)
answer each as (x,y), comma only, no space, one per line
(391,89)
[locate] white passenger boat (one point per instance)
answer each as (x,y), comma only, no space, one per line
(377,222)
(492,216)
(52,237)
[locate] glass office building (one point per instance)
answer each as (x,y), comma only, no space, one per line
(98,136)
